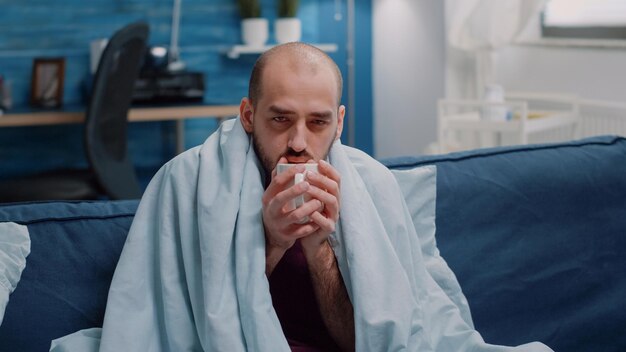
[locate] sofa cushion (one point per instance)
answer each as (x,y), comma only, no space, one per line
(536,236)
(74,249)
(419,186)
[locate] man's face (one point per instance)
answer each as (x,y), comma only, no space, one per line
(296,116)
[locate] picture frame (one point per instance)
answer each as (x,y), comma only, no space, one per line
(47,82)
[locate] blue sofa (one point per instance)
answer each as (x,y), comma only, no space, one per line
(534,234)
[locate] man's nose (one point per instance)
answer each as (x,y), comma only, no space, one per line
(297,140)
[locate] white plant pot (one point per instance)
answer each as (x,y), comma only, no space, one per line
(255,31)
(287,30)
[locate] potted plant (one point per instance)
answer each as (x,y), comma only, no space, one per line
(287,27)
(254,28)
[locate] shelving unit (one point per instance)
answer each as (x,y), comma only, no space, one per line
(237,50)
(461,124)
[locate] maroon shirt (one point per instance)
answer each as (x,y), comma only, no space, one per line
(296,306)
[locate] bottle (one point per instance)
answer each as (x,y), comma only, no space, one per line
(494,93)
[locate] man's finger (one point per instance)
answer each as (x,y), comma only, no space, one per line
(329,171)
(281,181)
(282,160)
(331,202)
(325,224)
(304,230)
(304,210)
(323,182)
(281,199)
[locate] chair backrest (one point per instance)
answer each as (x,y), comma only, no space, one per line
(107,113)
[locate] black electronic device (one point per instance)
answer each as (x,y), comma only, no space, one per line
(153,87)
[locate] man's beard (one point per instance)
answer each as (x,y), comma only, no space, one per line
(269,164)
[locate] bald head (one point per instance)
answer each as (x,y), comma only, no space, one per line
(293,56)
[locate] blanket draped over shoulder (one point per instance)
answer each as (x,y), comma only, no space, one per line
(191,276)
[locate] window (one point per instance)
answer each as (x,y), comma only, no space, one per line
(588,19)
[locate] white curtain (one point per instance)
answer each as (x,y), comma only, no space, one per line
(475,30)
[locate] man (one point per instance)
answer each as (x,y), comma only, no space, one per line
(216,261)
(294,115)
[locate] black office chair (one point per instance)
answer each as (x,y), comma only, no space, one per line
(111,173)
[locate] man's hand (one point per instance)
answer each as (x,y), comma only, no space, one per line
(282,225)
(330,291)
(324,186)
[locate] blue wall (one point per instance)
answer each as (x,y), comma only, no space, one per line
(64,28)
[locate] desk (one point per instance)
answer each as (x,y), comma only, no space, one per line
(178,113)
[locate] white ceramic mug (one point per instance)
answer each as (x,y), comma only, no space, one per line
(297,178)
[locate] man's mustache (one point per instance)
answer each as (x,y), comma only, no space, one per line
(292,153)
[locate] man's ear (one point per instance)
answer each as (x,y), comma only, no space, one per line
(246,113)
(341,113)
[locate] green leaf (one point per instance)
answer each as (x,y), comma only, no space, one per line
(249,8)
(288,8)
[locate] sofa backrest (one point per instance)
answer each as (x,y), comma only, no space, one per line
(536,236)
(74,250)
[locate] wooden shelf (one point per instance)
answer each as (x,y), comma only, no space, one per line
(178,113)
(237,50)
(135,114)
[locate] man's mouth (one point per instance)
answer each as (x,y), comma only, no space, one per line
(294,160)
(294,157)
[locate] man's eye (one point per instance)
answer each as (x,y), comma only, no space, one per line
(279,119)
(320,122)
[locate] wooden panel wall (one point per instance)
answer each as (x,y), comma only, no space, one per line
(64,28)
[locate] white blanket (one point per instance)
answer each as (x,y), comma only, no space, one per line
(191,276)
